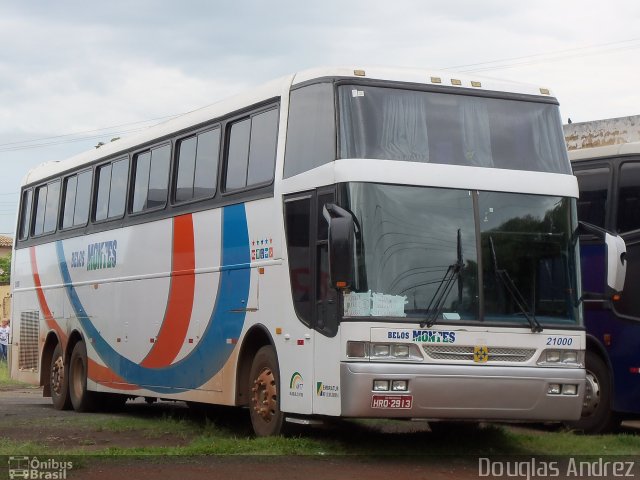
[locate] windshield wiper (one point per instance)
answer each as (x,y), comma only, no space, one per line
(516,295)
(436,305)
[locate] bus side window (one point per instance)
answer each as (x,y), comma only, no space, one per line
(46,215)
(112,187)
(151,176)
(311,131)
(25,218)
(594,187)
(197,170)
(77,193)
(252,150)
(628,217)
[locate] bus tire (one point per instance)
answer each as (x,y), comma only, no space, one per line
(82,399)
(59,380)
(597,415)
(264,394)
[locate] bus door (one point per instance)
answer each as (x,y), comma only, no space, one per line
(314,301)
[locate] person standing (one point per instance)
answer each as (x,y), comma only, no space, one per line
(4,339)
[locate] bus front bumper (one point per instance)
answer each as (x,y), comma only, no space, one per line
(479,392)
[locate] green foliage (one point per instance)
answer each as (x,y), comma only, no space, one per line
(5,268)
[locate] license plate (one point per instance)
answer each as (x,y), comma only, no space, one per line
(392,401)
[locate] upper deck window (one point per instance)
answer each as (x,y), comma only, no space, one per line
(112,188)
(434,127)
(197,171)
(151,176)
(46,214)
(311,130)
(251,153)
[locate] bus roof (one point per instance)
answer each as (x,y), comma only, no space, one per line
(270,90)
(604,152)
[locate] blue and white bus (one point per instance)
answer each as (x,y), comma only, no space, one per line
(609,182)
(340,242)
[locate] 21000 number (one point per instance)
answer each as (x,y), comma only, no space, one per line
(559,341)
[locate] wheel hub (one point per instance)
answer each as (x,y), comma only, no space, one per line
(591,395)
(57,376)
(265,395)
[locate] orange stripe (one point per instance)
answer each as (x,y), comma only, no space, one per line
(48,316)
(105,376)
(180,304)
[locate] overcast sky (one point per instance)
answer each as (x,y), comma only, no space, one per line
(71,69)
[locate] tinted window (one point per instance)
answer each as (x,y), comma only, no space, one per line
(117,196)
(26,214)
(262,152)
(311,136)
(198,166)
(104,184)
(629,198)
(41,205)
(206,176)
(47,198)
(433,127)
(252,150)
(112,187)
(592,204)
(83,199)
(70,187)
(238,156)
(158,177)
(298,225)
(141,180)
(186,169)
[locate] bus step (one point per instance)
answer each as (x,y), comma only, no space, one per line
(303,421)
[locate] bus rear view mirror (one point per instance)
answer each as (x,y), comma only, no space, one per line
(341,242)
(615,255)
(616,262)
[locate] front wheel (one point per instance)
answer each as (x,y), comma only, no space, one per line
(597,415)
(264,384)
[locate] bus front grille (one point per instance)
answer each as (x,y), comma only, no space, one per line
(494,354)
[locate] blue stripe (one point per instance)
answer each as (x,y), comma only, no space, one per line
(212,352)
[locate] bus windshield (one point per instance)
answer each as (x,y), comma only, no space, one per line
(417,255)
(436,127)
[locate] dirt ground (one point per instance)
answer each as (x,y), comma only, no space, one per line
(26,416)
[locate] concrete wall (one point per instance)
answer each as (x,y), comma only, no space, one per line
(599,133)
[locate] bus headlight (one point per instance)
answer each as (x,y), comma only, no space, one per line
(384,351)
(561,358)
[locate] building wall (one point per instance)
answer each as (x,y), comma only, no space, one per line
(599,133)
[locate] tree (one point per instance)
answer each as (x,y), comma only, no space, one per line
(5,269)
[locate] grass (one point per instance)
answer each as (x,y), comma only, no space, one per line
(230,435)
(6,381)
(226,431)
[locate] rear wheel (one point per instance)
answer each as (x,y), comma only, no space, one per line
(597,416)
(82,399)
(58,381)
(264,384)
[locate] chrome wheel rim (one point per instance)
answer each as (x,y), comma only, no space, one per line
(591,395)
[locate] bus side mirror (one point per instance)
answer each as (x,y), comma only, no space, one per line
(341,242)
(616,262)
(615,257)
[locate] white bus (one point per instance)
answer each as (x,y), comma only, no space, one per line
(340,242)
